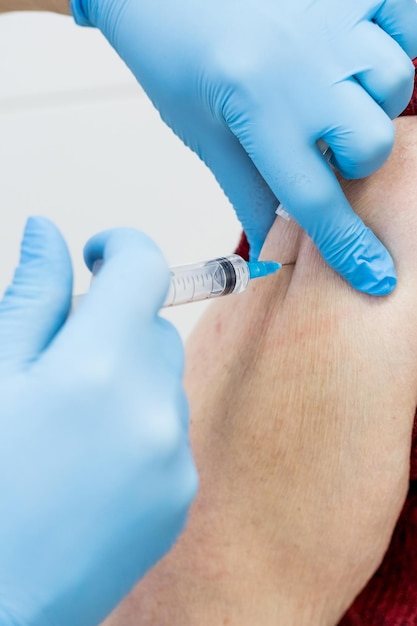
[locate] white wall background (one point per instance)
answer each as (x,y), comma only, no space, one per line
(81,144)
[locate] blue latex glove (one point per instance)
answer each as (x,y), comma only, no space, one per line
(96,475)
(251,85)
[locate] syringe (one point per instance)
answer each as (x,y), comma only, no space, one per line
(215,278)
(209,279)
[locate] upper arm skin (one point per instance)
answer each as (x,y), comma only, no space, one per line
(57,6)
(302,396)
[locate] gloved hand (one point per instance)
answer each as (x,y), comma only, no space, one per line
(96,474)
(251,85)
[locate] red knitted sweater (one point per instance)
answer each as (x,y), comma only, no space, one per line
(390,597)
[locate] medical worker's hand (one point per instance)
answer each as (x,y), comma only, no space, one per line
(96,474)
(251,85)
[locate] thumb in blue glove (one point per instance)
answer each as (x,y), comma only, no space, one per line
(96,474)
(251,86)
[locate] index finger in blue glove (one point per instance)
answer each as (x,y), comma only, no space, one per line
(310,192)
(117,321)
(134,272)
(399,19)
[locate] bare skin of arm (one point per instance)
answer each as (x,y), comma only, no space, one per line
(57,6)
(302,395)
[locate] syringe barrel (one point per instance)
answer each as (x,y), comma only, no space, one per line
(209,279)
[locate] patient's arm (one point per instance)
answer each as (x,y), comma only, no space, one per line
(58,6)
(303,395)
